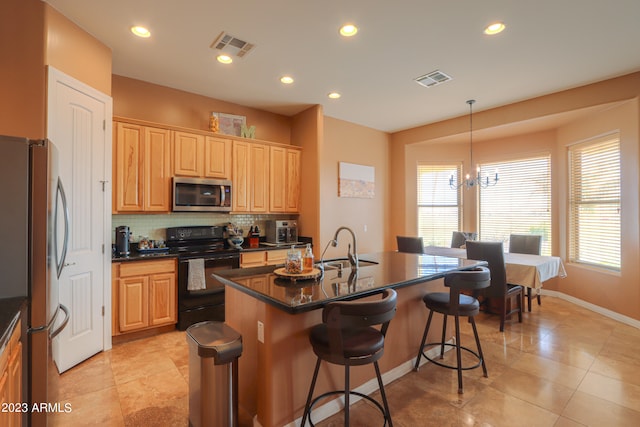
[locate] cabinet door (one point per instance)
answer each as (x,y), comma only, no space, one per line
(134,303)
(15,382)
(188,153)
(277,179)
(293,181)
(253,259)
(276,257)
(129,168)
(162,303)
(259,178)
(240,176)
(217,157)
(5,417)
(157,174)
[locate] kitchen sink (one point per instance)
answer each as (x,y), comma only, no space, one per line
(343,263)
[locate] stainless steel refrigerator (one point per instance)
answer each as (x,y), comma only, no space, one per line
(34,227)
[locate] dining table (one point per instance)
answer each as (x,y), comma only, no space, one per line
(527,270)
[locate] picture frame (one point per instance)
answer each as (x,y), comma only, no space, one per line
(230,124)
(356,181)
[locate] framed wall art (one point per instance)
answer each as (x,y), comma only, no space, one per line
(230,124)
(356,181)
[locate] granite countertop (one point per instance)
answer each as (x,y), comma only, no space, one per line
(9,313)
(135,255)
(389,270)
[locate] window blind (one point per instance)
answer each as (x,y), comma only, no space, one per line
(520,203)
(594,200)
(439,212)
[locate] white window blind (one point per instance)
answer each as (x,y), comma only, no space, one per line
(520,203)
(439,212)
(594,203)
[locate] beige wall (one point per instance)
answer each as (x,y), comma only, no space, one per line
(22,74)
(545,124)
(76,53)
(348,142)
(147,101)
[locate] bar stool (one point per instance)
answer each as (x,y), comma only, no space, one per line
(348,337)
(456,304)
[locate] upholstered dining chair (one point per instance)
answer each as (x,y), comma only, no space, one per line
(456,304)
(526,244)
(459,238)
(414,245)
(352,333)
(493,253)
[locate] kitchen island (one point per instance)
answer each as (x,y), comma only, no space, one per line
(274,315)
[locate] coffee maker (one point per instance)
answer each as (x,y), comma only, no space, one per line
(122,240)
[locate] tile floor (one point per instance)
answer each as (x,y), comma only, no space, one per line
(563,366)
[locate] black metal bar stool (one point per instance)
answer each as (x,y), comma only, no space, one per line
(456,304)
(348,336)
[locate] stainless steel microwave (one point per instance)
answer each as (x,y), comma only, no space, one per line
(201,195)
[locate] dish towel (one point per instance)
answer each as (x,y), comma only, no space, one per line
(196,280)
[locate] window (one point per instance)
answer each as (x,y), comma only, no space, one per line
(520,203)
(439,212)
(594,202)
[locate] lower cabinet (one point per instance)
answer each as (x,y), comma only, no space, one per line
(11,379)
(145,295)
(262,258)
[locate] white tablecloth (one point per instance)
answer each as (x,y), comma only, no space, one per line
(522,269)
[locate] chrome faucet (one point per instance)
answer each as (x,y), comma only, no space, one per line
(353,256)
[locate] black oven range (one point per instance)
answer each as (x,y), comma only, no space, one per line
(201,250)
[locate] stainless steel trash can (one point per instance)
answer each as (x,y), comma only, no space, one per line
(214,349)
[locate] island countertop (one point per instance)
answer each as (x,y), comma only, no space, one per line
(377,271)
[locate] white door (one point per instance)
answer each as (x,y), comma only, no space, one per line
(77,118)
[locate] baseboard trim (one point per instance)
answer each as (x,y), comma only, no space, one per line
(600,310)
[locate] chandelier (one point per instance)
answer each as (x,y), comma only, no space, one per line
(478,180)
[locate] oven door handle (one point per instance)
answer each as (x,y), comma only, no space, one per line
(224,257)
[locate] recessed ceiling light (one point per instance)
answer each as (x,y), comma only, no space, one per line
(141,31)
(348,30)
(495,28)
(334,95)
(225,59)
(286,80)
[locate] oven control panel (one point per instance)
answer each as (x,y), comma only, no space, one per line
(195,232)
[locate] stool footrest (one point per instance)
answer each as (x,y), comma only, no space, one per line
(341,392)
(444,365)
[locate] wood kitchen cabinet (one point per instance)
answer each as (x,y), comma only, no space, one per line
(201,156)
(262,258)
(11,379)
(250,175)
(284,180)
(145,295)
(142,169)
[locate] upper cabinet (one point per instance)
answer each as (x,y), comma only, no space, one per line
(142,168)
(266,176)
(188,154)
(284,179)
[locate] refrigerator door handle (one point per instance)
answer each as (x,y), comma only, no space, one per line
(63,256)
(55,333)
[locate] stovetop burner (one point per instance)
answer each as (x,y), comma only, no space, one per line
(196,240)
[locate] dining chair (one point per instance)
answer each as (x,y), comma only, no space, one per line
(459,238)
(455,303)
(414,245)
(526,244)
(493,253)
(352,333)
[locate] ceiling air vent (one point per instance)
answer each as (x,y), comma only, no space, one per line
(432,79)
(231,45)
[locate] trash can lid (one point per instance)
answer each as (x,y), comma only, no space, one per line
(217,340)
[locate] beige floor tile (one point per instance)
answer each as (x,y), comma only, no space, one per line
(98,408)
(91,375)
(496,408)
(613,390)
(594,411)
(566,422)
(550,370)
(612,368)
(533,389)
(139,365)
(153,391)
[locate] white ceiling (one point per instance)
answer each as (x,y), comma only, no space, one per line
(549,45)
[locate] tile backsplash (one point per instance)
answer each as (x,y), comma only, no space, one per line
(153,226)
